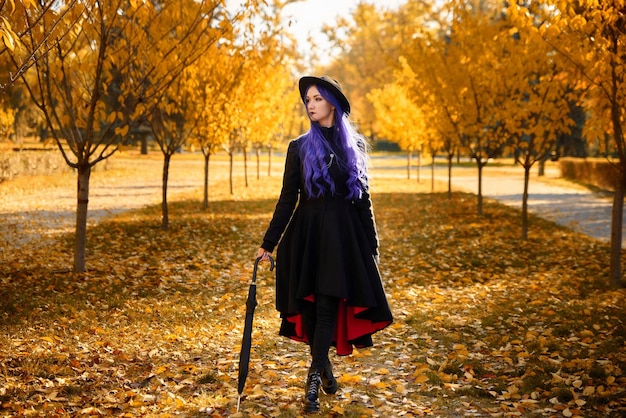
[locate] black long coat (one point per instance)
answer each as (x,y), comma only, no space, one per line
(328,247)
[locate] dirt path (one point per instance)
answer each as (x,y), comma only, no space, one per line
(566,204)
(30,215)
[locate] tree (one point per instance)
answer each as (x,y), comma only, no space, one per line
(73,77)
(428,76)
(217,73)
(472,55)
(45,16)
(174,117)
(537,112)
(368,47)
(399,119)
(173,123)
(7,122)
(590,38)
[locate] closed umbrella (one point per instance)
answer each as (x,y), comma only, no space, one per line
(246,341)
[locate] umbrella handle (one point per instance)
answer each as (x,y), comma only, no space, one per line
(256,265)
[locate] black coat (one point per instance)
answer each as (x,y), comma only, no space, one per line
(327,247)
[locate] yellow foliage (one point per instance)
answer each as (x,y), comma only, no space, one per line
(399,119)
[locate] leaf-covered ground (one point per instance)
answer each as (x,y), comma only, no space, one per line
(485,324)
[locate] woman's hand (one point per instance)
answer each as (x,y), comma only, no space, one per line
(264,254)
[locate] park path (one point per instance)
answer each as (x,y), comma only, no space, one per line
(29,216)
(572,206)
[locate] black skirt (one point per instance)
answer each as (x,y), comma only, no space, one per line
(325,251)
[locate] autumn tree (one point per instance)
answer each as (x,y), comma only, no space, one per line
(537,112)
(16,109)
(127,41)
(291,120)
(464,44)
(399,119)
(278,93)
(43,16)
(173,123)
(590,38)
(429,76)
(217,72)
(365,54)
(7,121)
(174,117)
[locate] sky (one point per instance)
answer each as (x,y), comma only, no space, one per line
(308,16)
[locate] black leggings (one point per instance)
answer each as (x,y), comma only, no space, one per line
(319,321)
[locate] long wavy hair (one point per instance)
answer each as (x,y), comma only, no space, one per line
(315,148)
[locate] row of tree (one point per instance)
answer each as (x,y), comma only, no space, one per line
(188,71)
(482,78)
(492,78)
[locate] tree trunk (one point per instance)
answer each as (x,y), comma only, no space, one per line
(230,173)
(84,172)
(450,157)
(269,162)
(542,167)
(408,165)
(525,203)
(205,200)
(480,187)
(245,166)
(166,172)
(144,144)
(617,215)
(432,177)
(258,163)
(419,165)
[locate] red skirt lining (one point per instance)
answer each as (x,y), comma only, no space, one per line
(348,327)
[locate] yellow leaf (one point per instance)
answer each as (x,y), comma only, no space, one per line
(121,130)
(401,389)
(610,380)
(380,385)
(338,410)
(383,371)
(48,339)
(8,41)
(447,377)
(347,378)
(421,379)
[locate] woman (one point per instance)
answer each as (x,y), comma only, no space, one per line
(328,287)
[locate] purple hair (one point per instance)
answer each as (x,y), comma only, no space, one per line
(314,150)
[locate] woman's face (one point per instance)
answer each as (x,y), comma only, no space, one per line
(319,109)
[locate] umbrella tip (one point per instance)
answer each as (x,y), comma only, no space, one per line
(238,401)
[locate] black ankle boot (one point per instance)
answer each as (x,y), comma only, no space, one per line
(329,383)
(312,389)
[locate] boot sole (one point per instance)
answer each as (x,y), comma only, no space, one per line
(331,390)
(311,408)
